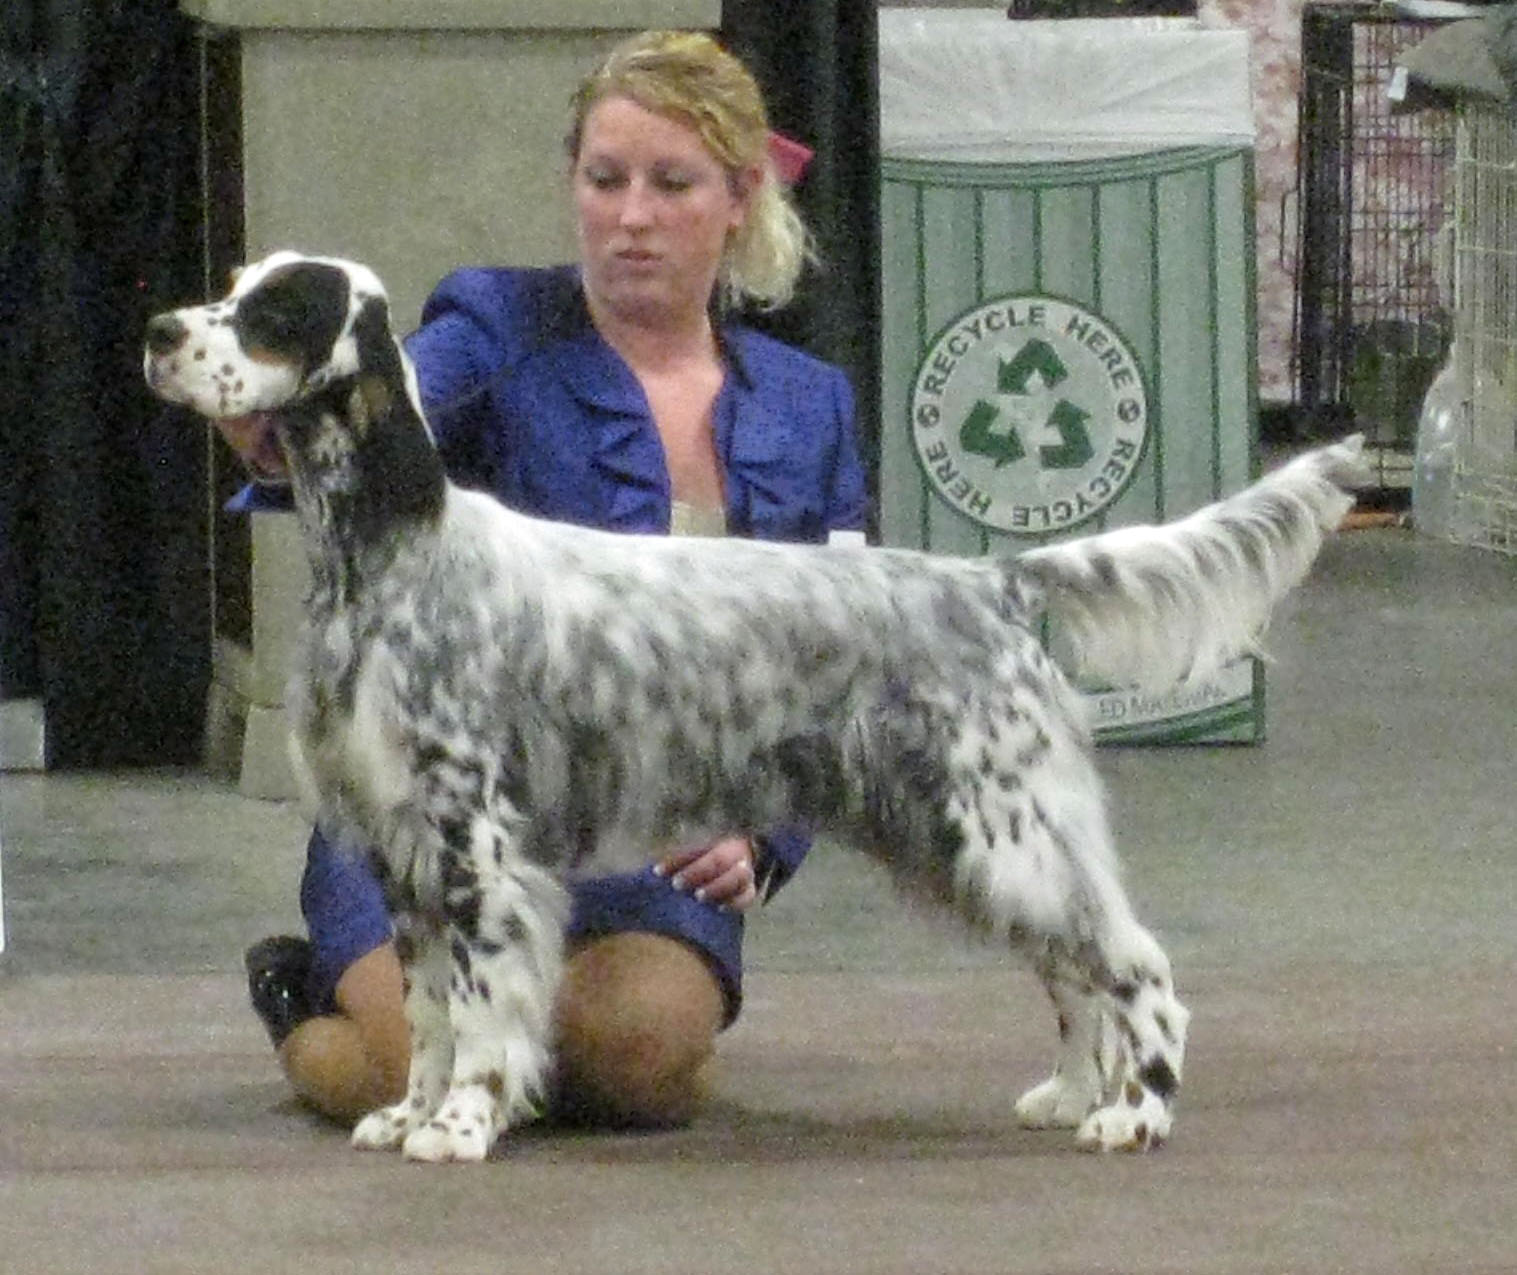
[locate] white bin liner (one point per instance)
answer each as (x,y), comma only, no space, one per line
(970,85)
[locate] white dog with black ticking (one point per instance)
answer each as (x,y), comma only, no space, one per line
(495,703)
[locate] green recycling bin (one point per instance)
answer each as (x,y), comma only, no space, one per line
(1068,298)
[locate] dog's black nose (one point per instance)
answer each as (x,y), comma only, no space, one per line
(165,334)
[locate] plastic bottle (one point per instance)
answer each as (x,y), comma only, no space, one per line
(1434,510)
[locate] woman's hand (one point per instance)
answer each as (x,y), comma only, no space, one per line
(721,873)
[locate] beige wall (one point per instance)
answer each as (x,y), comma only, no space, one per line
(430,141)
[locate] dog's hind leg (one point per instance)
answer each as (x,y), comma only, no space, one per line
(1089,1054)
(505,922)
(1121,1039)
(1032,861)
(1127,966)
(424,957)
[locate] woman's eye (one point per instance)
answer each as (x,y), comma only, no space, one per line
(663,181)
(603,178)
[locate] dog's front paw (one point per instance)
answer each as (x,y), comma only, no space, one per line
(1126,1126)
(1055,1104)
(439,1141)
(383,1130)
(463,1128)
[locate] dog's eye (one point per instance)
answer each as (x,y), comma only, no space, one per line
(272,320)
(294,313)
(272,327)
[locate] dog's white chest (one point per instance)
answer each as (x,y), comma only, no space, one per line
(345,738)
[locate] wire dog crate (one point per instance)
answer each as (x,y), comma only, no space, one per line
(1485,327)
(1372,323)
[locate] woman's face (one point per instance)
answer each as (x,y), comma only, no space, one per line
(654,210)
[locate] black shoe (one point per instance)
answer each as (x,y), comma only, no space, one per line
(279,970)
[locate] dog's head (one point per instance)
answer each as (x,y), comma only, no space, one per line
(300,356)
(290,326)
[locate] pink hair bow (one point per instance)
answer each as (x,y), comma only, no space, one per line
(790,157)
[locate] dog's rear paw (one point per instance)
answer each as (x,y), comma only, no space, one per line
(1124,1127)
(1055,1104)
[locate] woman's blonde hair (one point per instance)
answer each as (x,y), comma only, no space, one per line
(688,76)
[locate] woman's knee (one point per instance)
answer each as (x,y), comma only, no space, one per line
(637,1019)
(331,1070)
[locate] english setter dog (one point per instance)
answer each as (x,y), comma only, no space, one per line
(495,703)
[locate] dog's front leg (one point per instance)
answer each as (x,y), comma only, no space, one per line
(505,954)
(424,957)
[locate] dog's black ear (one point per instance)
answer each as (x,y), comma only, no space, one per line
(380,384)
(397,451)
(370,400)
(296,313)
(377,353)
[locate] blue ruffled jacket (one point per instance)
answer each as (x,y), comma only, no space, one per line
(529,402)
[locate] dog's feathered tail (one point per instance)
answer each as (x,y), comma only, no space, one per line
(1146,606)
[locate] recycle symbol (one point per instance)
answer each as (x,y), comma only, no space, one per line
(984,433)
